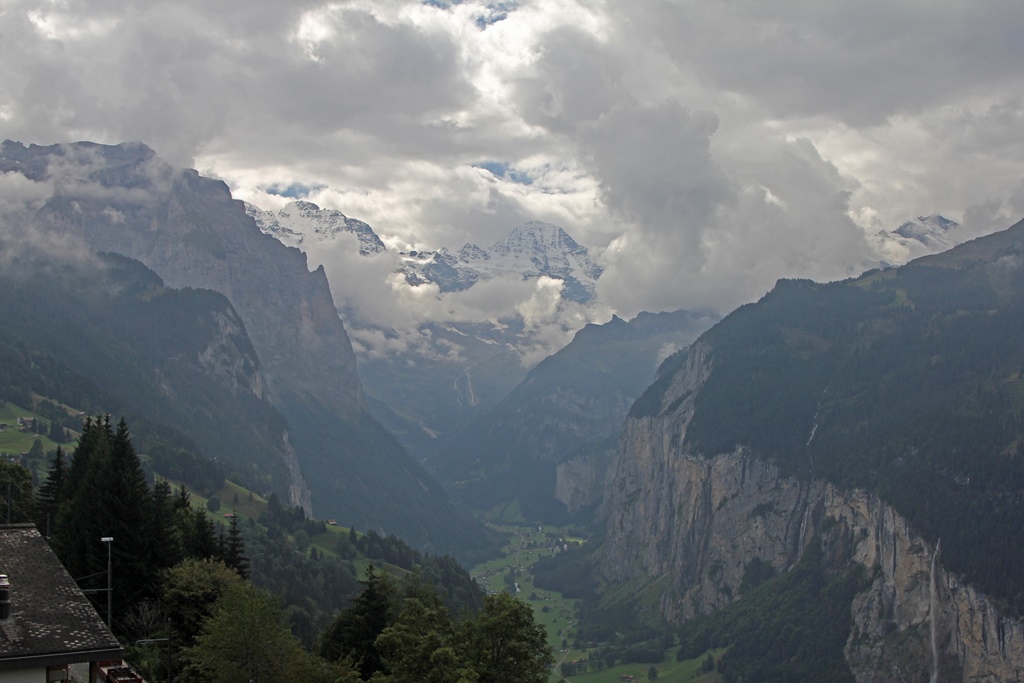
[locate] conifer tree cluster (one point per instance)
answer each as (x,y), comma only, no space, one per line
(103,493)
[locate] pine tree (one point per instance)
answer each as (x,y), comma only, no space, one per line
(52,492)
(354,632)
(80,518)
(234,550)
(18,501)
(165,537)
(126,517)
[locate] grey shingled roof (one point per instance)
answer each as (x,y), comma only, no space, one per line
(51,620)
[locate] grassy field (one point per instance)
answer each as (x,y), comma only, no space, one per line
(669,671)
(14,441)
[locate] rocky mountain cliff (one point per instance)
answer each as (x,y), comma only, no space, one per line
(873,417)
(187,228)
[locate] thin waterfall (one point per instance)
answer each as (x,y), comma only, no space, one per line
(932,610)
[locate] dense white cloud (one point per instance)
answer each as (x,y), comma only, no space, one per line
(703,149)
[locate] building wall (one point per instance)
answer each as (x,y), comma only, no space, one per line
(24,676)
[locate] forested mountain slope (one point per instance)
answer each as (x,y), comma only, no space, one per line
(106,335)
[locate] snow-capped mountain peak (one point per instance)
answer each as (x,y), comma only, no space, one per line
(531,250)
(919,237)
(301,223)
(932,231)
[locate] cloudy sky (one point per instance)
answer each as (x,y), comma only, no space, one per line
(700,149)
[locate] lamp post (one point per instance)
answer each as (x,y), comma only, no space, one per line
(110,580)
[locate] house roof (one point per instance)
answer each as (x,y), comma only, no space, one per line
(51,620)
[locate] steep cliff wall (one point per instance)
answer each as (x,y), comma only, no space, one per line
(696,522)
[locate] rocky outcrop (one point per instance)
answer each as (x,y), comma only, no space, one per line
(695,523)
(579,482)
(238,371)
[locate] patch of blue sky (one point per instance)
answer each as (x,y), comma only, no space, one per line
(442,4)
(295,190)
(500,169)
(496,11)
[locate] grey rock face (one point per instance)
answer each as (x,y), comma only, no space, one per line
(675,514)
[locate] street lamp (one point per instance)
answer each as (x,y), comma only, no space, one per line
(110,580)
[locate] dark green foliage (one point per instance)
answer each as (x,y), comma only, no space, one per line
(636,646)
(105,494)
(311,589)
(52,492)
(755,573)
(245,640)
(353,634)
(233,550)
(505,644)
(402,633)
(422,646)
(314,587)
(570,573)
(791,628)
(165,542)
(909,381)
(443,573)
(17,501)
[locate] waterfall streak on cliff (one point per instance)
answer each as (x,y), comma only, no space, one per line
(814,424)
(932,608)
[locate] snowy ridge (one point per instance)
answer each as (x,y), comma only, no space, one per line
(301,223)
(530,251)
(919,237)
(935,232)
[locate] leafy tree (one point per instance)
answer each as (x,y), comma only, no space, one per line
(505,644)
(189,592)
(422,647)
(245,640)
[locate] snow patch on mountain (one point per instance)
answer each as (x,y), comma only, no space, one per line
(532,250)
(921,236)
(302,223)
